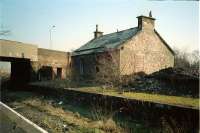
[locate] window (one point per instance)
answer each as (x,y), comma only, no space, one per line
(81,67)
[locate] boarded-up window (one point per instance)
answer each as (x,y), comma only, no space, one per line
(139,63)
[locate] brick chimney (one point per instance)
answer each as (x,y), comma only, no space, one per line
(97,33)
(146,22)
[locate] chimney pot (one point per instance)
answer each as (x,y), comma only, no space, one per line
(96,27)
(150,14)
(97,33)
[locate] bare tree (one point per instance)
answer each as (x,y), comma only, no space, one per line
(187,60)
(109,72)
(4,32)
(181,60)
(107,69)
(196,59)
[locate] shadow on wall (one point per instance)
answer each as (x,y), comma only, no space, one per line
(19,72)
(23,71)
(45,73)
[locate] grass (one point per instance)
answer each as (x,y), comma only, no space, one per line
(174,100)
(157,98)
(53,83)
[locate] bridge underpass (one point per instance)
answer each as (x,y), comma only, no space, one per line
(30,63)
(20,70)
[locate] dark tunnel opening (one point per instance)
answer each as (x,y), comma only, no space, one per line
(20,71)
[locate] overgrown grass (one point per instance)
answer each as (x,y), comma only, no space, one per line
(54,83)
(49,114)
(52,116)
(157,98)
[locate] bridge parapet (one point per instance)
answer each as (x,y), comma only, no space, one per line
(18,50)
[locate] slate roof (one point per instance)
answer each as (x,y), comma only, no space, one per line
(107,41)
(110,41)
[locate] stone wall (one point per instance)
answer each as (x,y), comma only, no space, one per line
(108,62)
(84,66)
(95,64)
(146,53)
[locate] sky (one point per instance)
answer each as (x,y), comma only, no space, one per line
(30,21)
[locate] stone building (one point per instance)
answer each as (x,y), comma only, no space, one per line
(138,49)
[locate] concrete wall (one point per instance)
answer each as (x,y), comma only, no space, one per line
(18,50)
(54,59)
(39,59)
(146,53)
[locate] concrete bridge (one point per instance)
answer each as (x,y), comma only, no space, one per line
(29,63)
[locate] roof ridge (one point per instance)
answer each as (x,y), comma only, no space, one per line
(116,32)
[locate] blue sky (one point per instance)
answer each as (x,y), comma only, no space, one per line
(30,20)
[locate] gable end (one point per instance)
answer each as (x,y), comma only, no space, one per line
(169,48)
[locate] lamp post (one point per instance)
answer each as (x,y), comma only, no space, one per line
(50,34)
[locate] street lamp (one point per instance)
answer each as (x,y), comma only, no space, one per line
(50,40)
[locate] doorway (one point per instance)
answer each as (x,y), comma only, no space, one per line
(59,73)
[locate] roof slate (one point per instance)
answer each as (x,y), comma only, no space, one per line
(110,41)
(107,41)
